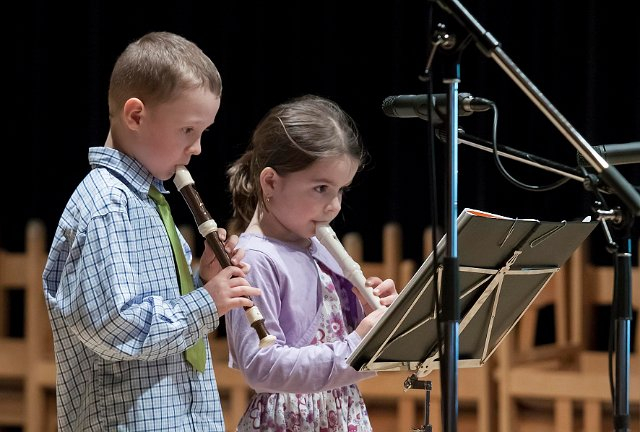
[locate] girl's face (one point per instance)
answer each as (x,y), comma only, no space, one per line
(169,134)
(299,200)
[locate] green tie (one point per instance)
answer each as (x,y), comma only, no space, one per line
(196,354)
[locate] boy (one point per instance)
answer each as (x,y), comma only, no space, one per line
(120,323)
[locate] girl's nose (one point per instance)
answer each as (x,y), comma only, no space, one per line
(335,205)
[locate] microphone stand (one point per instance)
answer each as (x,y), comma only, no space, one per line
(621,312)
(611,176)
(491,48)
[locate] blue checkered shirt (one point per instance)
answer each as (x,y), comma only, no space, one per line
(119,323)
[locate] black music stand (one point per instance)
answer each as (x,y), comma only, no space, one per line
(504,264)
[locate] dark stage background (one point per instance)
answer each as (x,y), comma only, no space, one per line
(583,56)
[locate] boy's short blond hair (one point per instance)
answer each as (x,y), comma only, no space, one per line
(156,66)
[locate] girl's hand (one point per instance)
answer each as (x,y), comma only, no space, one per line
(385,290)
(369,321)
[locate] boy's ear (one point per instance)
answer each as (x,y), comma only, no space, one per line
(133,110)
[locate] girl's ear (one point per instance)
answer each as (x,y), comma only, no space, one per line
(268,181)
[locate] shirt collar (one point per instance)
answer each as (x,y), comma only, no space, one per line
(128,169)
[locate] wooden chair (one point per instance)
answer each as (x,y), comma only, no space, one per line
(40,385)
(392,266)
(565,380)
(24,402)
(13,345)
(595,397)
(234,392)
(519,351)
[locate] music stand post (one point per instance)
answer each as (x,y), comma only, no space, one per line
(451,287)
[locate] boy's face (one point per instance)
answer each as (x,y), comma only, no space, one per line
(169,133)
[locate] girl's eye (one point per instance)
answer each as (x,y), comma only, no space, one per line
(188,130)
(321,189)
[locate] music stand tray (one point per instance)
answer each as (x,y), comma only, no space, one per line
(504,263)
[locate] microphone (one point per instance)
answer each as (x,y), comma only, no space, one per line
(615,154)
(407,106)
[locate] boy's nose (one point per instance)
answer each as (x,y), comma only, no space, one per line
(195,148)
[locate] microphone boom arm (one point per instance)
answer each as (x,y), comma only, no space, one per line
(607,172)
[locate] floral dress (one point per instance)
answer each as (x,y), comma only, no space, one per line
(337,410)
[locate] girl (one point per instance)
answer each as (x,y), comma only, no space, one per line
(303,155)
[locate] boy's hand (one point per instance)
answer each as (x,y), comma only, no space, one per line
(229,289)
(209,265)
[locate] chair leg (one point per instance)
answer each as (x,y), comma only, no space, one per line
(484,403)
(592,415)
(563,415)
(508,408)
(36,408)
(52,417)
(406,414)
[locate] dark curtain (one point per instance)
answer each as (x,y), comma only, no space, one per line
(584,57)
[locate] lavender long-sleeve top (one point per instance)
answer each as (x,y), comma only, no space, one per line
(290,300)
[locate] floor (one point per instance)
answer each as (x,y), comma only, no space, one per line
(534,419)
